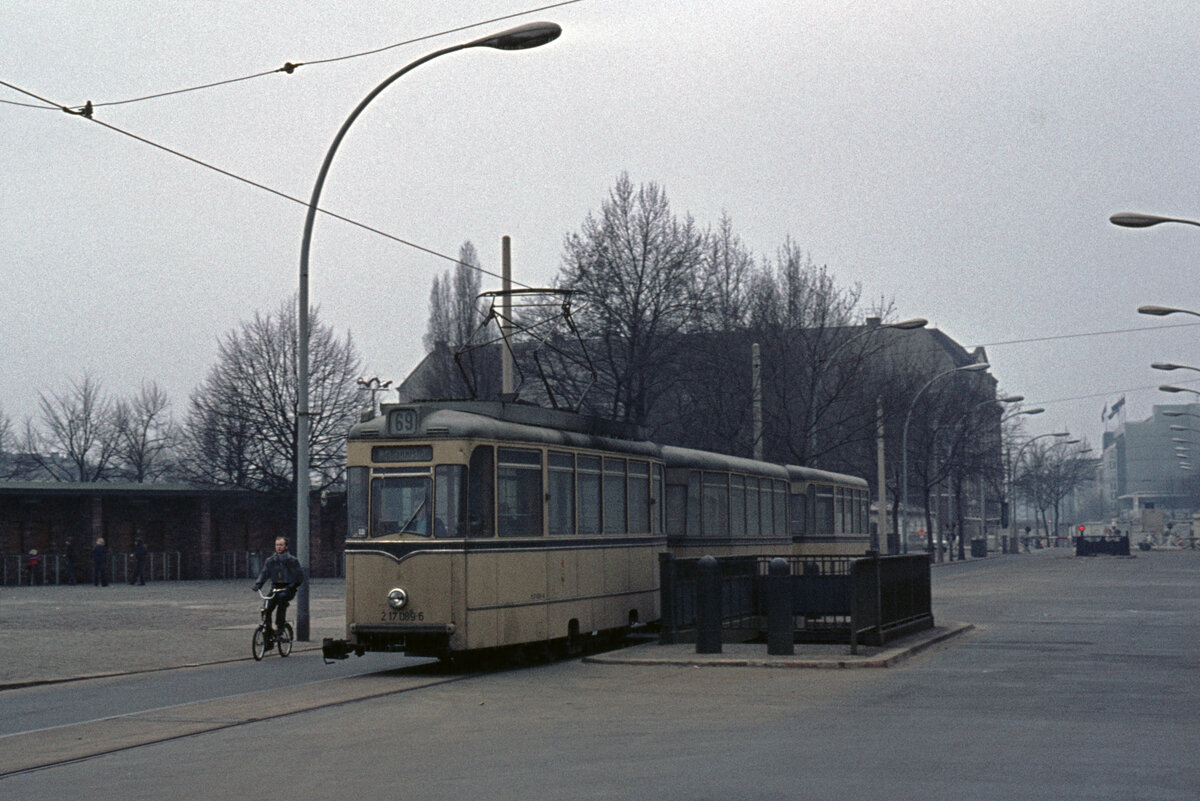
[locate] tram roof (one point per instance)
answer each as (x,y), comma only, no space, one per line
(798,473)
(510,422)
(707,460)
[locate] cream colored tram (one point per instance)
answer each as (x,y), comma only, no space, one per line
(476,525)
(830,512)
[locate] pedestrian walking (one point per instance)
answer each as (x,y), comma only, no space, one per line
(33,563)
(100,564)
(139,563)
(68,560)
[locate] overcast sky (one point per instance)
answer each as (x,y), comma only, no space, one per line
(959,158)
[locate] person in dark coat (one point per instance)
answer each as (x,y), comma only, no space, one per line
(285,574)
(68,558)
(100,563)
(139,563)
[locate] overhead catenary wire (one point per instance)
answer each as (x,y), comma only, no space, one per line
(288,68)
(87,113)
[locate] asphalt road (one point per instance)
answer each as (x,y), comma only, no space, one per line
(1078,682)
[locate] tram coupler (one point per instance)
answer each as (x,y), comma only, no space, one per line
(332,650)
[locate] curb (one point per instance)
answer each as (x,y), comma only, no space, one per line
(884,659)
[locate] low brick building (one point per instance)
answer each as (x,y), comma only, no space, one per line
(191,532)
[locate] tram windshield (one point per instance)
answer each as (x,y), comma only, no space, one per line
(401,505)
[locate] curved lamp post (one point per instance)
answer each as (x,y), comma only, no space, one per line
(1163,311)
(1131,219)
(522,37)
(968,368)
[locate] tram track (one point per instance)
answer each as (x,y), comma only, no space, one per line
(42,749)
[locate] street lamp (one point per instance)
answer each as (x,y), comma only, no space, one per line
(1135,220)
(521,37)
(1163,311)
(1172,366)
(968,368)
(1172,388)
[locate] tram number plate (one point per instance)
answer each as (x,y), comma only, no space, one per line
(403,421)
(401,616)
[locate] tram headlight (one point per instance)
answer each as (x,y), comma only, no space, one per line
(397,598)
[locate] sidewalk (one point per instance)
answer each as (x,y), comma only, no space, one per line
(60,633)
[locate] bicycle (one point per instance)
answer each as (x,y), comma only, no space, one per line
(281,638)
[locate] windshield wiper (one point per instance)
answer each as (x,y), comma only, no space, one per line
(409,522)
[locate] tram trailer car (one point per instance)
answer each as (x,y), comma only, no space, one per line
(476,525)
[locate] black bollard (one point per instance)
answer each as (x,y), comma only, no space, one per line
(708,606)
(781,639)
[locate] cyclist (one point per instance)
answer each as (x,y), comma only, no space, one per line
(285,574)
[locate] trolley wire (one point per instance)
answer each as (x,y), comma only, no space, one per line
(87,112)
(288,68)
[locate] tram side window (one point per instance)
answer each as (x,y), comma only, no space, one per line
(614,496)
(639,497)
(561,489)
(693,503)
(450,508)
(519,492)
(356,501)
(767,507)
(658,507)
(799,514)
(824,511)
(810,524)
(780,498)
(588,475)
(753,525)
(737,506)
(676,510)
(839,510)
(481,505)
(716,505)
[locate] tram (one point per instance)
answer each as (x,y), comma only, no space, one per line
(475,525)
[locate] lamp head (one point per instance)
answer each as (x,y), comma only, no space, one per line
(908,325)
(522,37)
(1157,311)
(1134,220)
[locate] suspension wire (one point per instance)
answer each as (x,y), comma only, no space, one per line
(289,67)
(86,112)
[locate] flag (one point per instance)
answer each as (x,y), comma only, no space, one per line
(1116,407)
(1104,414)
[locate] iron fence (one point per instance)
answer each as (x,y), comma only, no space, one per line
(839,598)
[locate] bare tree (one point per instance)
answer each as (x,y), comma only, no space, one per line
(77,440)
(242,425)
(454,317)
(634,266)
(802,319)
(145,433)
(1049,472)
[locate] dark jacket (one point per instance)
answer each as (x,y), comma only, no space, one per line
(281,568)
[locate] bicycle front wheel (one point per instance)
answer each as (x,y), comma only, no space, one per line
(258,646)
(283,639)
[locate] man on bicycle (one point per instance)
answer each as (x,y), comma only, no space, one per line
(285,574)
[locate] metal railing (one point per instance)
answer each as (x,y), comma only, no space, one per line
(1108,546)
(851,599)
(52,568)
